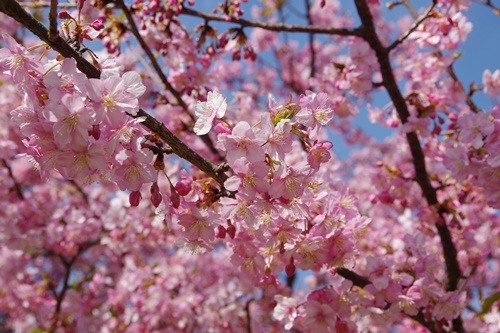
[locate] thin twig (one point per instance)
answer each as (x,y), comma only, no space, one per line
(151,57)
(281,27)
(311,40)
(487,3)
(355,278)
(68,264)
(80,190)
(17,187)
(249,318)
(450,70)
(415,25)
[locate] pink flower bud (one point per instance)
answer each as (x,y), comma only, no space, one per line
(155,194)
(290,268)
(97,25)
(80,4)
(221,232)
(231,230)
(175,199)
(183,187)
(135,198)
(96,132)
(385,198)
(63,14)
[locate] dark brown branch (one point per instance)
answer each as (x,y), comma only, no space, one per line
(249,318)
(311,40)
(419,317)
(53,20)
(80,190)
(281,27)
(469,101)
(14,10)
(421,175)
(487,3)
(17,187)
(68,265)
(355,278)
(361,281)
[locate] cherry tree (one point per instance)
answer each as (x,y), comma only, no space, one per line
(169,166)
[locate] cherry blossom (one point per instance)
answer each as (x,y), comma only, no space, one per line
(134,200)
(215,106)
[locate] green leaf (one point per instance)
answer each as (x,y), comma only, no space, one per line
(488,302)
(36,330)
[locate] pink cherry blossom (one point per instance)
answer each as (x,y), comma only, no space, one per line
(250,177)
(319,154)
(73,121)
(134,169)
(199,225)
(112,222)
(17,60)
(316,110)
(242,142)
(474,127)
(491,82)
(415,124)
(215,106)
(319,317)
(116,96)
(285,311)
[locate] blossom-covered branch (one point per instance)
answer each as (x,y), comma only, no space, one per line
(13,9)
(421,175)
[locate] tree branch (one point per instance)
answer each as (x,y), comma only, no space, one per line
(249,318)
(14,10)
(311,40)
(17,187)
(421,175)
(487,3)
(355,278)
(151,57)
(68,265)
(53,20)
(280,27)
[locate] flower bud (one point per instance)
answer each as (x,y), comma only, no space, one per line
(155,195)
(290,268)
(97,25)
(134,198)
(63,14)
(175,199)
(182,187)
(221,232)
(231,230)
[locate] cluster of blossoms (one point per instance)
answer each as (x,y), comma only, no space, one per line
(79,126)
(107,233)
(280,216)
